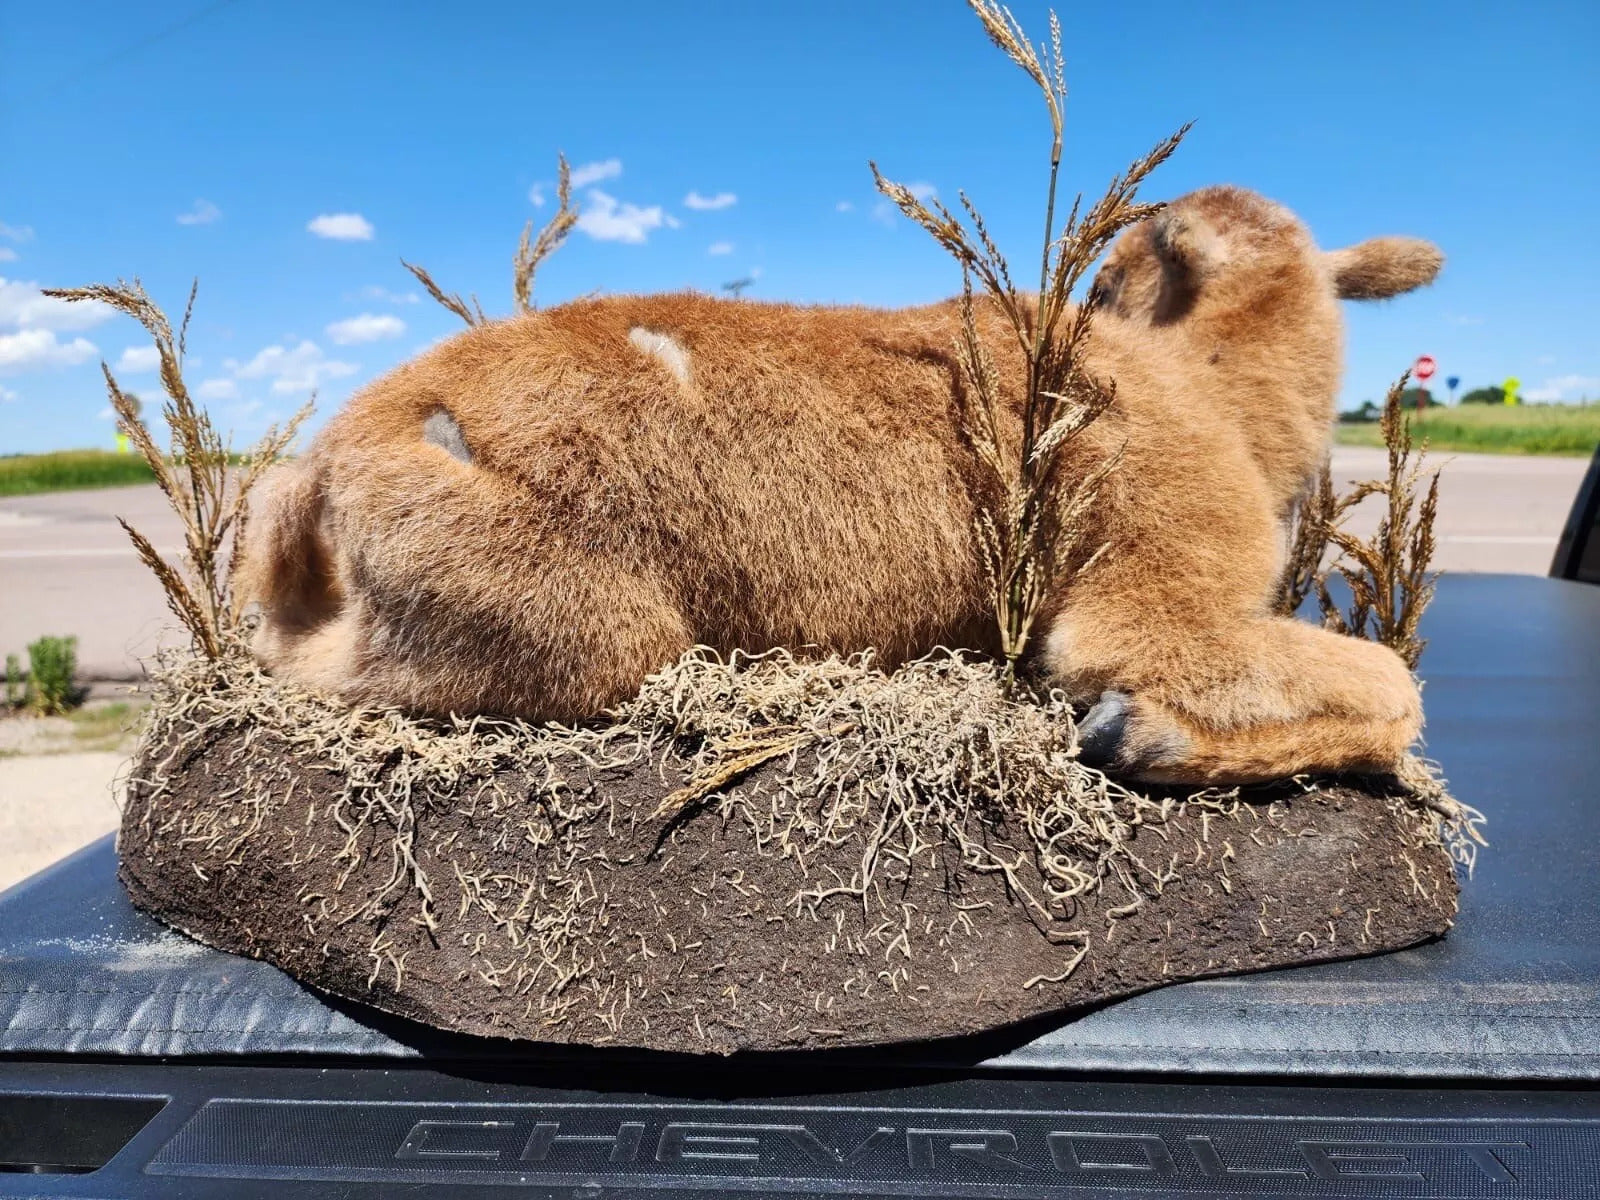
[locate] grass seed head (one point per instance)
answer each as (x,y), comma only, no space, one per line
(1387,574)
(531,252)
(1033,515)
(207,484)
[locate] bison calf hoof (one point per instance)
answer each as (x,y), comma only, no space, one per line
(1101,731)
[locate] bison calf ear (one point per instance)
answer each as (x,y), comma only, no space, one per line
(1383,267)
(1188,246)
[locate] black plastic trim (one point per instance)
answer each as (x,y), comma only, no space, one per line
(363,1133)
(67,1133)
(1581,531)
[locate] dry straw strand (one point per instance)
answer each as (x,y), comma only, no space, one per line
(1388,574)
(531,252)
(207,485)
(1035,515)
(472,314)
(1318,512)
(530,255)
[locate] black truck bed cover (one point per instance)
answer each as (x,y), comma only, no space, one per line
(225,1070)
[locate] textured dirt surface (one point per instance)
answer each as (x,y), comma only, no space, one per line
(700,934)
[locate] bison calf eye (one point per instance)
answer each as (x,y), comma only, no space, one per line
(1102,291)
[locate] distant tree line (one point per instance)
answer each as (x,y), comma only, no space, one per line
(1493,394)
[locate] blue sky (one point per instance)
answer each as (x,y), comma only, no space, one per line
(727,139)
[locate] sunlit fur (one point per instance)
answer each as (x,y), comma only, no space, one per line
(802,482)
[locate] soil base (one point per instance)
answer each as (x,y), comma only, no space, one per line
(696,933)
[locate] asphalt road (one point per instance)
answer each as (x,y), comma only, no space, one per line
(66,567)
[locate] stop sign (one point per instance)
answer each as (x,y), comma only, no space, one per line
(1424,368)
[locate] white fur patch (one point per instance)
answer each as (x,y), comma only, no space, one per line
(659,346)
(441,430)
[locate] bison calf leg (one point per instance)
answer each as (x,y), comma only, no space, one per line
(1263,699)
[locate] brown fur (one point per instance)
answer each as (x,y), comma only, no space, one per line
(803,483)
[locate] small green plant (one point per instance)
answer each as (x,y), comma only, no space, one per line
(52,662)
(14,692)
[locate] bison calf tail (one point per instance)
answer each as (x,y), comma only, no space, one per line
(286,565)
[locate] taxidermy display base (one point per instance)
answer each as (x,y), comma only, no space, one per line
(762,855)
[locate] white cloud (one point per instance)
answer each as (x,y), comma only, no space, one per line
(217,389)
(24,306)
(374,292)
(368,327)
(139,358)
(844,206)
(7,395)
(7,254)
(701,203)
(31,349)
(292,370)
(922,189)
(720,248)
(1564,387)
(203,213)
(16,233)
(38,318)
(536,195)
(607,219)
(594,172)
(341,227)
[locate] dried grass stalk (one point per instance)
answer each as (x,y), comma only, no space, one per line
(530,255)
(472,315)
(1387,574)
(531,252)
(1033,520)
(206,483)
(1390,587)
(1319,511)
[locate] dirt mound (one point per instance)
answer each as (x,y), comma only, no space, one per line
(762,854)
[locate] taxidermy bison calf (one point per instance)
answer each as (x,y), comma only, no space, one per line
(532,517)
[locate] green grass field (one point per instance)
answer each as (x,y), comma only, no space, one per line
(68,470)
(1495,429)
